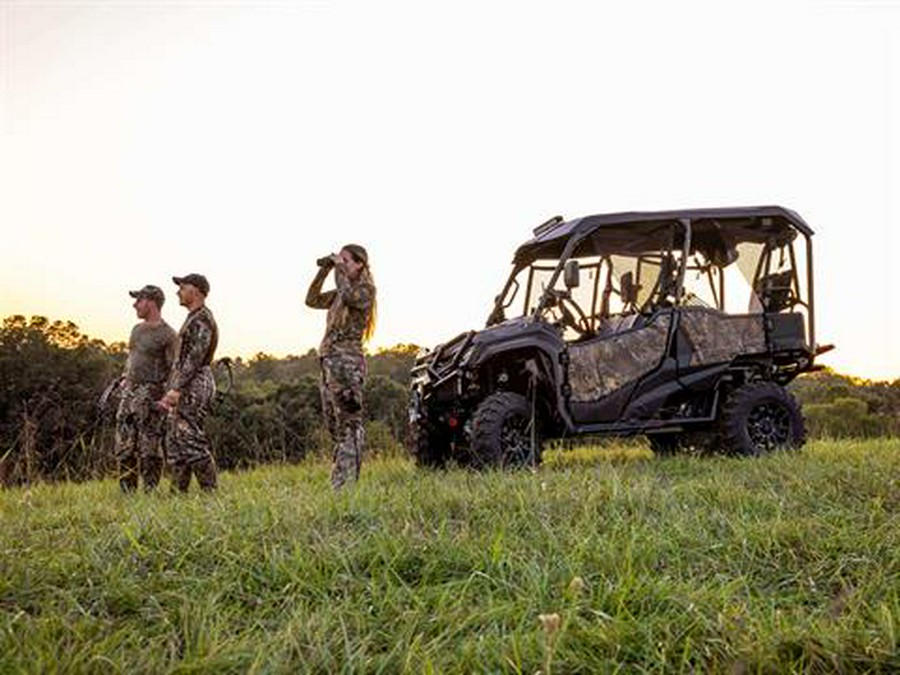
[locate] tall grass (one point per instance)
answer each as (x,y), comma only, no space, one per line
(786,563)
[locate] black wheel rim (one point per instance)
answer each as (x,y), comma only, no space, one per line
(769,427)
(515,442)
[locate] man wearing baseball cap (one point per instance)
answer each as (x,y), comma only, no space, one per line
(140,424)
(191,389)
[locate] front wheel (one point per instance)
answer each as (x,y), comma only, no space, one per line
(760,417)
(429,448)
(503,432)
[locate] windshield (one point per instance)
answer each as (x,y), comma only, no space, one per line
(599,293)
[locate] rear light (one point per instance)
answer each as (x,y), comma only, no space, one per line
(452,422)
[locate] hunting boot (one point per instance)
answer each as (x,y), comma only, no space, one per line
(181,477)
(128,474)
(205,471)
(151,471)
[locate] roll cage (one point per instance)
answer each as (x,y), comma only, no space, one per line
(639,262)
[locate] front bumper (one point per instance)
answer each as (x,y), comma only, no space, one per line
(438,378)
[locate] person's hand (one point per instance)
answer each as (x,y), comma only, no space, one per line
(170,400)
(340,268)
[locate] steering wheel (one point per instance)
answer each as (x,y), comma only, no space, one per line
(578,320)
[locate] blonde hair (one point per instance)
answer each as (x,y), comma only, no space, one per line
(361,256)
(365,276)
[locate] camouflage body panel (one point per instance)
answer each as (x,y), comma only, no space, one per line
(151,351)
(197,341)
(348,305)
(343,377)
(715,337)
(186,440)
(597,368)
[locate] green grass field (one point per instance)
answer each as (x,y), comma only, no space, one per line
(786,563)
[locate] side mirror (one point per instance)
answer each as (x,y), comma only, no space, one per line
(627,289)
(572,274)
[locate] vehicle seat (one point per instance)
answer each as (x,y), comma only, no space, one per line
(776,291)
(620,323)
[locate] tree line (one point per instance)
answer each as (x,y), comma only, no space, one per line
(52,377)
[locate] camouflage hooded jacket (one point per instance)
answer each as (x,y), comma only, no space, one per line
(348,305)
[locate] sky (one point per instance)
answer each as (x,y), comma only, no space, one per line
(243,140)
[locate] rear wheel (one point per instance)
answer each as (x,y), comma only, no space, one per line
(761,417)
(502,433)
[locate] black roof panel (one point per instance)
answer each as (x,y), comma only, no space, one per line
(550,241)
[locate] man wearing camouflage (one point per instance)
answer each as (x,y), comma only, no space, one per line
(191,389)
(350,322)
(140,423)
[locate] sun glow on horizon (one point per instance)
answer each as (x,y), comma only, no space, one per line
(244,140)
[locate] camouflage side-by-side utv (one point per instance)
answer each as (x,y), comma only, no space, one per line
(684,326)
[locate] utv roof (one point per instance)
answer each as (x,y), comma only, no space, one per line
(626,230)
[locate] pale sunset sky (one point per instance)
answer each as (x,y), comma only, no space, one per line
(141,139)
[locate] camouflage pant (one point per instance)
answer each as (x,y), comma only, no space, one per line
(186,441)
(343,376)
(140,428)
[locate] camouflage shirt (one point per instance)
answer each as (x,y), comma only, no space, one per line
(348,308)
(197,341)
(151,350)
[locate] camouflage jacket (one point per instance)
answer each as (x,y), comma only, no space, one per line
(348,305)
(197,341)
(151,351)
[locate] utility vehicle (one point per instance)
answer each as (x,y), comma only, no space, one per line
(684,326)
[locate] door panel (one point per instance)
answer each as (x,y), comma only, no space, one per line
(604,365)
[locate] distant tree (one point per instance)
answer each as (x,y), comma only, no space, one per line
(394,362)
(388,402)
(845,417)
(52,376)
(840,406)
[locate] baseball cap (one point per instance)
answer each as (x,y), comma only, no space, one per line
(198,281)
(150,292)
